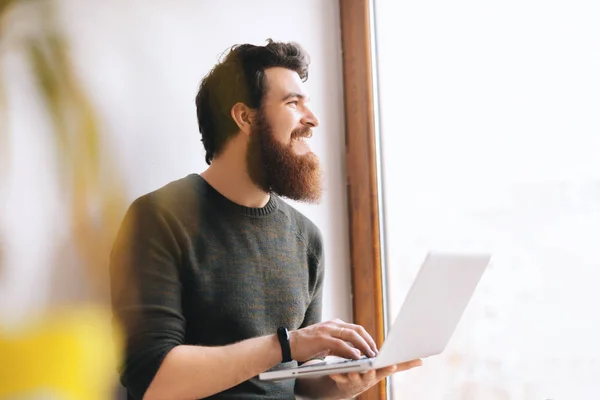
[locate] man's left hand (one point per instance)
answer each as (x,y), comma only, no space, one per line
(354,383)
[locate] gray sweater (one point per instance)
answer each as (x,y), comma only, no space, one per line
(191,267)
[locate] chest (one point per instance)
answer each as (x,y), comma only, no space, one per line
(248,281)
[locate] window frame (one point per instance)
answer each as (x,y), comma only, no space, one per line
(362,174)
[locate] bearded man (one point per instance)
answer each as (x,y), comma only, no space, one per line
(214,278)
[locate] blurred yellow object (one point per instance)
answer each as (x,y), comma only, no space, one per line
(70,354)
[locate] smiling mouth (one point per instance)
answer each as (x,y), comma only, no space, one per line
(305,134)
(300,145)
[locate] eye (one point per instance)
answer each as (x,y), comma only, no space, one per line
(293,103)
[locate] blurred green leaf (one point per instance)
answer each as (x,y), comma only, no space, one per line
(90,183)
(4,5)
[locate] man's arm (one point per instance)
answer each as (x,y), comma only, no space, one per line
(146,290)
(192,372)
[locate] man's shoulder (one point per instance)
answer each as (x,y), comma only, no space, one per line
(307,228)
(175,196)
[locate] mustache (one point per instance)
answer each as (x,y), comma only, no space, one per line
(302,132)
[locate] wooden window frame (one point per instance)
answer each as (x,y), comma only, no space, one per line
(361,172)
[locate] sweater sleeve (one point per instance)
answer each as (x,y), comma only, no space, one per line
(313,313)
(146,292)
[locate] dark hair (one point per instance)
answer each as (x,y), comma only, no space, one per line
(240,77)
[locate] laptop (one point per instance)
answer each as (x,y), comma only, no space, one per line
(427,319)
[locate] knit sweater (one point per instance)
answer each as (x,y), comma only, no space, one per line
(191,267)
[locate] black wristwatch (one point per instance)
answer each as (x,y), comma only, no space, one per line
(284,341)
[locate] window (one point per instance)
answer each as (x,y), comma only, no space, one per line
(490,140)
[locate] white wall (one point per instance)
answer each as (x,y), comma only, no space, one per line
(141,63)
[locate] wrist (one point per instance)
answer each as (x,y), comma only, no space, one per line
(283,337)
(293,339)
(273,354)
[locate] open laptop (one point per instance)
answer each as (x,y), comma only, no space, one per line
(426,322)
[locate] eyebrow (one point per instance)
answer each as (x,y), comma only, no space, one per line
(295,94)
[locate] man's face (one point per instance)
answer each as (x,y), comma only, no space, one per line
(279,159)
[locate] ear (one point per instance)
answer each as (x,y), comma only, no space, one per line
(243,117)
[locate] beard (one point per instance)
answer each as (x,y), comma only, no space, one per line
(276,168)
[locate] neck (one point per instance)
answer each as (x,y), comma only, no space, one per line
(228,175)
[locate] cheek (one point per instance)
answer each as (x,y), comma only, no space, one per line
(283,135)
(284,124)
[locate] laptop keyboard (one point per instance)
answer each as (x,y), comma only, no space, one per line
(336,361)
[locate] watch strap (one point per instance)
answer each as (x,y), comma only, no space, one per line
(284,341)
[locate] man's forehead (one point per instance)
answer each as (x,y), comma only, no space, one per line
(282,82)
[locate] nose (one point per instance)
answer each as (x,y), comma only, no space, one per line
(310,119)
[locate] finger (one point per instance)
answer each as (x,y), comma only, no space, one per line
(368,338)
(340,348)
(313,361)
(355,379)
(362,332)
(369,377)
(409,365)
(385,372)
(348,334)
(340,378)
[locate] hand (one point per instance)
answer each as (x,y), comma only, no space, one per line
(354,383)
(337,338)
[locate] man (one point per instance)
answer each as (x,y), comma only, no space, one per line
(209,272)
